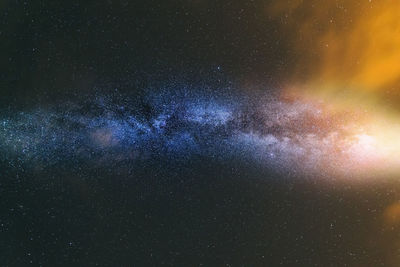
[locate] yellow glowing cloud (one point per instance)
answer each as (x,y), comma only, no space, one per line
(343,45)
(347,55)
(367,56)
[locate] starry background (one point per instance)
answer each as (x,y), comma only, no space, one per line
(189,193)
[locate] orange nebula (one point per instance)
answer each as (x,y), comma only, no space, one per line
(347,56)
(343,45)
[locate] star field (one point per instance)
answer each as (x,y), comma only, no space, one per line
(288,135)
(199,133)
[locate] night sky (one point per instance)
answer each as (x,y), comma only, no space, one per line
(200,133)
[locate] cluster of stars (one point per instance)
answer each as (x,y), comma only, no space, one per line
(284,134)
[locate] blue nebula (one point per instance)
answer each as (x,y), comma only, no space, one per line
(174,126)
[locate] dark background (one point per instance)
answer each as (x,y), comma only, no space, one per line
(49,47)
(199,213)
(202,213)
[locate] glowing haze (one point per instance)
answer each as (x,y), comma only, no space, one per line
(352,45)
(347,56)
